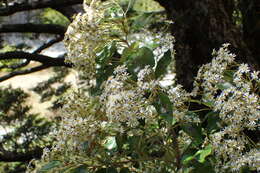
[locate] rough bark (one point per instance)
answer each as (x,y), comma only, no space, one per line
(250,10)
(199,27)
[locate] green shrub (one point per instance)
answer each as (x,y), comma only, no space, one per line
(121,119)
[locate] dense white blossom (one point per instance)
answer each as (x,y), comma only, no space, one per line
(143,109)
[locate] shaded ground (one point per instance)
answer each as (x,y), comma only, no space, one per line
(29,81)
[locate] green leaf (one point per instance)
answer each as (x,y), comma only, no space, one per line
(223,86)
(110,143)
(128,51)
(124,170)
(194,131)
(188,154)
(202,154)
(209,103)
(105,54)
(162,64)
(212,121)
(228,75)
(137,59)
(134,143)
(120,141)
(197,159)
(245,169)
(49,166)
(104,66)
(187,159)
(79,169)
(51,16)
(164,107)
(142,20)
(206,167)
(147,6)
(107,170)
(102,74)
(85,145)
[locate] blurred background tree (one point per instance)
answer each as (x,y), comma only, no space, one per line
(201,26)
(31,34)
(23,135)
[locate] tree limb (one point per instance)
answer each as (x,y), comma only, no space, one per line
(38,50)
(9,156)
(70,11)
(15,66)
(16,7)
(45,60)
(34,28)
(48,44)
(22,72)
(34,57)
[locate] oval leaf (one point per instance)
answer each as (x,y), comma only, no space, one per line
(202,154)
(110,143)
(162,64)
(138,59)
(49,166)
(80,169)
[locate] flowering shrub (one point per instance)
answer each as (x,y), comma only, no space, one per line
(122,119)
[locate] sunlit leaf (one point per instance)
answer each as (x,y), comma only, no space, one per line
(202,154)
(104,66)
(106,53)
(51,16)
(223,86)
(147,6)
(110,143)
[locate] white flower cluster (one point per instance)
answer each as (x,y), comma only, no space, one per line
(80,44)
(125,106)
(81,121)
(162,41)
(146,79)
(211,74)
(124,101)
(239,111)
(88,33)
(238,107)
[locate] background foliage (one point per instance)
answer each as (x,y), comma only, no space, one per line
(22,133)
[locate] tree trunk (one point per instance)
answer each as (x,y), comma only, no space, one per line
(199,27)
(250,10)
